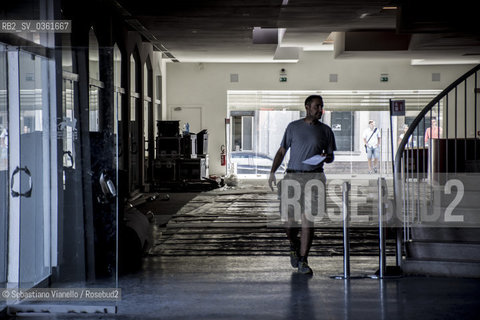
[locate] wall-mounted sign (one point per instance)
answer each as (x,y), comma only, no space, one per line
(384,77)
(337,127)
(397,107)
(283,75)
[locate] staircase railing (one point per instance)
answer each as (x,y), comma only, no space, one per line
(429,151)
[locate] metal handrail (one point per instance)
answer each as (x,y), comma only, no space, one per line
(402,171)
(421,115)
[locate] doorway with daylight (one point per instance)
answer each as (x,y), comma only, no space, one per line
(258,120)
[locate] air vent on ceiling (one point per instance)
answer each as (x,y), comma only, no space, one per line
(233,77)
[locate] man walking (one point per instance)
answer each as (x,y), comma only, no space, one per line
(372,140)
(306,138)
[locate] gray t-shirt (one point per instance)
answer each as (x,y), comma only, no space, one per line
(306,140)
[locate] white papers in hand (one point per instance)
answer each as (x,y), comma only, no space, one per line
(316,159)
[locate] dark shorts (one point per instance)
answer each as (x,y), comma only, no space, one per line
(301,195)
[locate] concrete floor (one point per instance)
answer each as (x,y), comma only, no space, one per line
(267,287)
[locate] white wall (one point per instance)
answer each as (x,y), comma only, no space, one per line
(206,84)
(164,89)
(159,69)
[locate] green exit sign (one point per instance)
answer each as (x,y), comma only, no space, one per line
(283,79)
(384,77)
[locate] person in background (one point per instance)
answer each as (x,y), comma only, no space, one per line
(3,149)
(400,138)
(372,140)
(433,132)
(4,138)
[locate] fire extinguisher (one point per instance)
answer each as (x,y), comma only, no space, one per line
(223,156)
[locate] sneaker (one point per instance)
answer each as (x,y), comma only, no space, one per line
(370,171)
(375,170)
(294,253)
(303,267)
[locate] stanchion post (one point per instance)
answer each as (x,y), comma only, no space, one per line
(381,233)
(346,238)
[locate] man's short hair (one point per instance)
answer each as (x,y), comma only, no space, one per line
(371,121)
(311,98)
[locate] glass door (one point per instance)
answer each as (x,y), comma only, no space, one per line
(53,234)
(34,170)
(342,124)
(3,169)
(29,222)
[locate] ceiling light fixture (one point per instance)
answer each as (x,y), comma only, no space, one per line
(363,15)
(419,62)
(390,8)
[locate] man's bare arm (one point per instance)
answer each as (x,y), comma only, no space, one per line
(277,161)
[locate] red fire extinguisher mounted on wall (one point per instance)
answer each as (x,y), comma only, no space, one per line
(223,156)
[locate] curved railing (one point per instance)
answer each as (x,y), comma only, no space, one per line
(427,157)
(424,112)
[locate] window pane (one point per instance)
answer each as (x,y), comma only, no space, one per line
(67,63)
(117,67)
(237,133)
(133,88)
(247,139)
(145,126)
(117,82)
(94,109)
(133,108)
(145,81)
(93,56)
(342,125)
(94,73)
(133,74)
(69,123)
